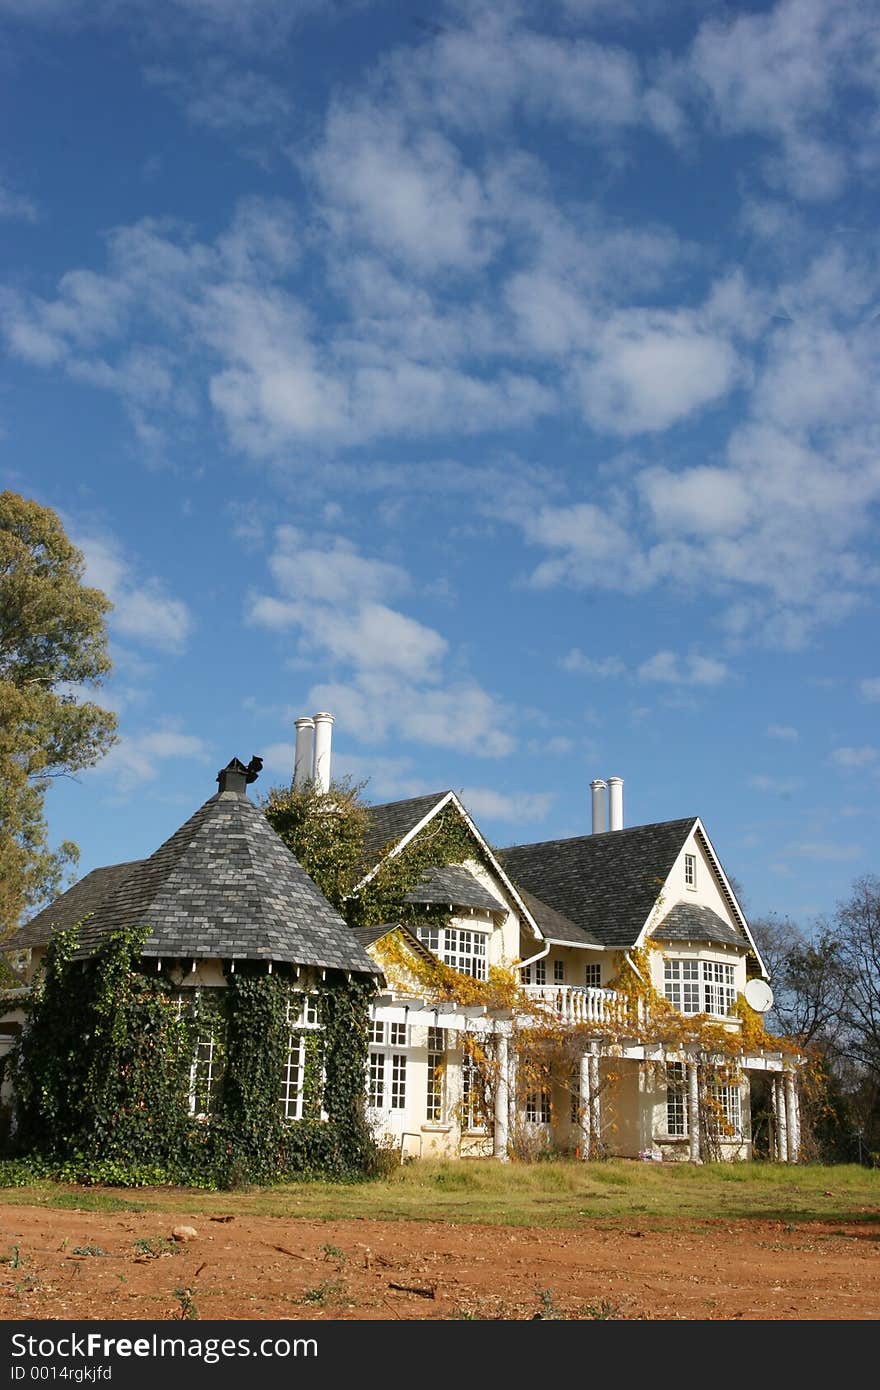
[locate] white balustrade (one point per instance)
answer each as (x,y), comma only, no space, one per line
(580,1003)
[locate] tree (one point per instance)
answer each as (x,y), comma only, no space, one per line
(858,931)
(807,975)
(53,647)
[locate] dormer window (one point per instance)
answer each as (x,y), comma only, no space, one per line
(690,871)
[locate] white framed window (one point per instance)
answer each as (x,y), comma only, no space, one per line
(559,972)
(676,1100)
(593,975)
(460,947)
(204,1077)
(541,971)
(538,1107)
(435,1094)
(690,871)
(700,986)
(302,1023)
(386,1072)
(474,1096)
(725,1112)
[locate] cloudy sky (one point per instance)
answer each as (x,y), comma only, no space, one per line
(501,377)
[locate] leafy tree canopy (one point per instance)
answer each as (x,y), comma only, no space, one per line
(53,647)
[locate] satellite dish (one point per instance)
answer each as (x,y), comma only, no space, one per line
(759,995)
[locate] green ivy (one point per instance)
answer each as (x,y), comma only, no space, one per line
(103,1074)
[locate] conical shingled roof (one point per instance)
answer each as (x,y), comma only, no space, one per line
(224,886)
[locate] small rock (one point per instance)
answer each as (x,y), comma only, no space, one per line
(184,1233)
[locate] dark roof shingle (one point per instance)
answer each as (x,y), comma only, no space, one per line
(455,885)
(390,821)
(224,886)
(606,884)
(695,922)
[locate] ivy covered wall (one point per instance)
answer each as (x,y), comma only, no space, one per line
(105,1083)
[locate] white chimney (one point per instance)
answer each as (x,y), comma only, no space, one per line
(323,731)
(600,815)
(615,803)
(304,757)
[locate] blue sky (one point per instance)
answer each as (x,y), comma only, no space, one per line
(500,377)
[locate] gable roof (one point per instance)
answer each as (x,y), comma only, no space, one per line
(406,818)
(224,886)
(606,885)
(367,936)
(456,886)
(696,922)
(393,820)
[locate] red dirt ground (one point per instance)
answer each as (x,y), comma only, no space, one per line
(245,1267)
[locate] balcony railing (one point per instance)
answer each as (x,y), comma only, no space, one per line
(581,1003)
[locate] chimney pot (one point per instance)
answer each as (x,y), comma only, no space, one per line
(615,803)
(304,757)
(233,778)
(323,732)
(600,815)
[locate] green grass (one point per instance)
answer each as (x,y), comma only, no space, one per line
(518,1194)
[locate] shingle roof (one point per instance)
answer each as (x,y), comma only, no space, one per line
(224,886)
(390,821)
(84,897)
(554,924)
(694,922)
(454,885)
(606,884)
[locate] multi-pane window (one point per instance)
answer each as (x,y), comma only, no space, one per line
(302,1025)
(700,986)
(725,1112)
(593,975)
(538,1107)
(204,1077)
(559,972)
(460,947)
(386,1077)
(690,871)
(676,1099)
(436,1069)
(718,988)
(474,1099)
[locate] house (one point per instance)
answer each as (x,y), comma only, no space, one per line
(635,1026)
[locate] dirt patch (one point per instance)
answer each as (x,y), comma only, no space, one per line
(71,1264)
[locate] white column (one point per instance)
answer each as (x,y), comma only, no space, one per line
(781,1121)
(791,1117)
(585,1105)
(304,757)
(512,1117)
(595,1116)
(323,733)
(694,1111)
(501,1093)
(775,1153)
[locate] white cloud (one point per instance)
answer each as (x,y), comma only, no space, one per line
(652,370)
(668,668)
(824,850)
(869,689)
(779,786)
(855,757)
(398,664)
(605,666)
(405,191)
(142,609)
(515,806)
(136,758)
(785,732)
(221,97)
(15,207)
